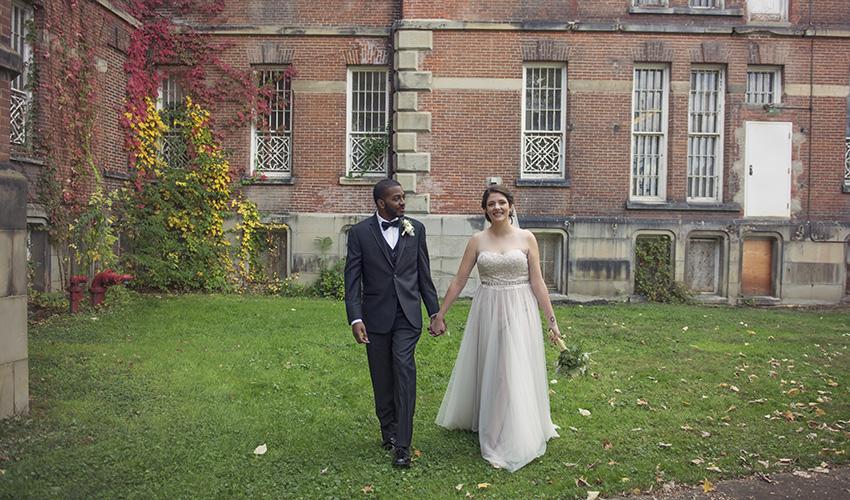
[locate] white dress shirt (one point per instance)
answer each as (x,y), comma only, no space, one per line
(390,233)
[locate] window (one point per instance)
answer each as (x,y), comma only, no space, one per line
(649,133)
(764,85)
(706,4)
(705,135)
(551,246)
(367,121)
(21,95)
(171,105)
(271,146)
(650,3)
(768,10)
(543,121)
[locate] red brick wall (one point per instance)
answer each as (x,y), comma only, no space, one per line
(99,26)
(476,134)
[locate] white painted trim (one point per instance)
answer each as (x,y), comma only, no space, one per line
(721,113)
(665,118)
(777,82)
(348,91)
(563,158)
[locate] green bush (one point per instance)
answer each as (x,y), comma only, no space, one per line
(331,283)
(654,272)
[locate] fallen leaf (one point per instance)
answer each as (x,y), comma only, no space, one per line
(483,486)
(734,388)
(764,463)
(642,402)
(592,495)
(606,445)
(417,453)
(582,482)
(324,471)
(625,479)
(686,427)
(570,465)
(697,461)
(459,487)
(367,489)
(802,473)
(820,470)
(819,412)
(707,486)
(665,445)
(553,381)
(705,434)
(763,477)
(574,429)
(583,412)
(261,450)
(832,383)
(714,468)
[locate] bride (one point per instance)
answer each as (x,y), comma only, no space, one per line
(499,386)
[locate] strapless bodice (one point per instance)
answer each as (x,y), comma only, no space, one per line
(508,268)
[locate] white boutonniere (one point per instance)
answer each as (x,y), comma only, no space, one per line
(407,228)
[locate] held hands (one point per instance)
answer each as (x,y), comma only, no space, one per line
(437,326)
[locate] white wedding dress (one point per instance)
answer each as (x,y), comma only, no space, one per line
(498,386)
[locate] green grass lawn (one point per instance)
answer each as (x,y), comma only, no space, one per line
(169,397)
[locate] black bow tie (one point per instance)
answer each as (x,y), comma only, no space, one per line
(386,225)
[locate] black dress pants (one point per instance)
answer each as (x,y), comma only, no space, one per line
(393,370)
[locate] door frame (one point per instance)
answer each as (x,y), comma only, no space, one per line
(746,175)
(776,255)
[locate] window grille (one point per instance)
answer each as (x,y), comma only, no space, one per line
(272,146)
(705,135)
(847,161)
(650,3)
(172,105)
(544,115)
(707,4)
(763,86)
(649,133)
(367,121)
(20,96)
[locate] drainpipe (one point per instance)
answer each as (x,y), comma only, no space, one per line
(811,117)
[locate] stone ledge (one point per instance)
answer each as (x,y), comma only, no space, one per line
(683,206)
(116,174)
(360,181)
(542,183)
(269,181)
(688,11)
(16,158)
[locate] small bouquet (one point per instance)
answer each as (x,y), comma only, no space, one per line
(571,360)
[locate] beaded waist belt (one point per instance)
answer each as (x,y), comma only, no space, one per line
(504,283)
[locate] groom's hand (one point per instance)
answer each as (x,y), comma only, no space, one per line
(359,331)
(437,326)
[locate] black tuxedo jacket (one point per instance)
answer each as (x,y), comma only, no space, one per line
(375,285)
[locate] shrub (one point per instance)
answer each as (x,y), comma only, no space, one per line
(654,272)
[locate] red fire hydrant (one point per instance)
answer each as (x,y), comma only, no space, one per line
(104,280)
(76,289)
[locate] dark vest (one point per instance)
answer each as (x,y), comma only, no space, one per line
(393,251)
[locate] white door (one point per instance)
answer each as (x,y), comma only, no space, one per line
(767,157)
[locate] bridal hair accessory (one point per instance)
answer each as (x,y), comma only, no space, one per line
(571,360)
(407,228)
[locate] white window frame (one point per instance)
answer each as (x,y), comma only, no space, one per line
(286,133)
(719,134)
(20,95)
(661,196)
(650,3)
(718,4)
(776,71)
(780,14)
(349,133)
(562,125)
(164,92)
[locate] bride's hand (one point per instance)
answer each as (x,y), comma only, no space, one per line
(554,334)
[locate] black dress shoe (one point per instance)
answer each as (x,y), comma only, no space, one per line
(389,444)
(402,457)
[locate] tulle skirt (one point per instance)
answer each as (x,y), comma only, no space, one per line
(498,386)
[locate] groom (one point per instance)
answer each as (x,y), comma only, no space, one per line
(387,276)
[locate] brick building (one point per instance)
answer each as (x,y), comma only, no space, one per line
(719,125)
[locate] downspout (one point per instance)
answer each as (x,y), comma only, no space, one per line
(392,83)
(811,117)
